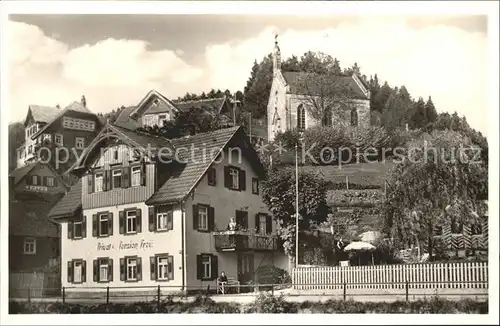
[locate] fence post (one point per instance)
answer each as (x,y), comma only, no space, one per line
(345,290)
(158,304)
(29,294)
(64,295)
(206,294)
(107,295)
(407,286)
(272,288)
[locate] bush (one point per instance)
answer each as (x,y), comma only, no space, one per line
(270,304)
(288,139)
(270,274)
(264,303)
(318,138)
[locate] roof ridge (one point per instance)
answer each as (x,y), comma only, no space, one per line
(201,100)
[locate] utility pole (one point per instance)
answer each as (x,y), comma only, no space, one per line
(234,110)
(296,207)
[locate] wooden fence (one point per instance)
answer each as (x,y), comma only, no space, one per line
(24,284)
(469,275)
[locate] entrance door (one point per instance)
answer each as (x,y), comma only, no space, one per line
(245,268)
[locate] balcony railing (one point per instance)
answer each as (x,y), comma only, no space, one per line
(244,241)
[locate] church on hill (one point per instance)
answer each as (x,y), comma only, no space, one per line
(300,100)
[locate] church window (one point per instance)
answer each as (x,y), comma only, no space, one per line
(301,117)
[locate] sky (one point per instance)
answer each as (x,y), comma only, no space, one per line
(115,60)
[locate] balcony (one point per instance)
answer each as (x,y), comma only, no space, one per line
(244,241)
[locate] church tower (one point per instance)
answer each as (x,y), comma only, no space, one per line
(276,56)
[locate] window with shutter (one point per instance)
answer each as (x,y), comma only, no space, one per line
(70,230)
(70,271)
(269,224)
(138,214)
(242,219)
(151,219)
(152,267)
(202,218)
(163,268)
(133,269)
(131,221)
(164,218)
(255,186)
(94,225)
(135,176)
(122,269)
(195,217)
(242,180)
(121,222)
(125,177)
(77,229)
(211,177)
(199,267)
(143,174)
(110,270)
(215,267)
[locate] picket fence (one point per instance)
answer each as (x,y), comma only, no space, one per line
(469,275)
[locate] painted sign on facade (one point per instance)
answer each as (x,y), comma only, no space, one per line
(124,245)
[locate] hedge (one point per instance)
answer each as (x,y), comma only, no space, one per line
(264,303)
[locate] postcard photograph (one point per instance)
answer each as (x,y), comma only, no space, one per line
(212,159)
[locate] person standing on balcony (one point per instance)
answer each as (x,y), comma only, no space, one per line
(232,224)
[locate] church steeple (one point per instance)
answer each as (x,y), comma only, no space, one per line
(276,55)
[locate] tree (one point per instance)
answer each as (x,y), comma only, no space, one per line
(327,97)
(380,96)
(430,111)
(291,64)
(419,116)
(278,193)
(435,183)
(336,69)
(186,122)
(258,88)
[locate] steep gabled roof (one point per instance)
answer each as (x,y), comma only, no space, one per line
(297,82)
(138,140)
(19,173)
(125,121)
(42,113)
(69,204)
(75,107)
(30,218)
(164,105)
(211,106)
(185,178)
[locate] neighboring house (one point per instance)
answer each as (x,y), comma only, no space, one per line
(36,177)
(290,100)
(73,127)
(155,109)
(142,217)
(33,239)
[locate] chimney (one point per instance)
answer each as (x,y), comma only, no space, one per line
(84,101)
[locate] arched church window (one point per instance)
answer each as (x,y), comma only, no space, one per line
(327,118)
(301,117)
(354,117)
